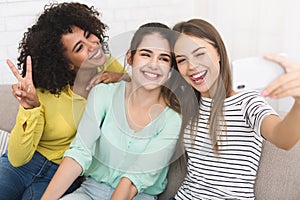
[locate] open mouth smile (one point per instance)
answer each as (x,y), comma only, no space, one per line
(150,75)
(198,78)
(96,55)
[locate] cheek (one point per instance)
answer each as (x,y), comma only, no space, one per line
(182,70)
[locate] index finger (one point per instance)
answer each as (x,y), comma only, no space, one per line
(29,68)
(13,69)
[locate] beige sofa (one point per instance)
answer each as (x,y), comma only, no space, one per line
(278,175)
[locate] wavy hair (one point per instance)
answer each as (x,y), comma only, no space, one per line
(42,41)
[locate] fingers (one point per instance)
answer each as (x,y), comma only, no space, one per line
(98,78)
(13,69)
(284,86)
(285,62)
(29,68)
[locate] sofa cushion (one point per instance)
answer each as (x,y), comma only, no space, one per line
(8,108)
(278,176)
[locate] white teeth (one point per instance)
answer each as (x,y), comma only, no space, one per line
(96,54)
(151,75)
(199,74)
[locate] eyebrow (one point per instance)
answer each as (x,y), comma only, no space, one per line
(148,50)
(197,49)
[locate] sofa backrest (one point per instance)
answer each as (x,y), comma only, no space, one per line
(8,108)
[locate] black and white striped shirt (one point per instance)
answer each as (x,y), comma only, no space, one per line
(231,174)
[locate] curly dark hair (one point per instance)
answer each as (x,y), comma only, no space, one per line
(42,41)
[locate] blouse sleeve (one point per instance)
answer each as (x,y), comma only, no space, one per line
(23,142)
(255,110)
(83,146)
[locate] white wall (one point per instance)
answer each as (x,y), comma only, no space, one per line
(120,15)
(256,27)
(248,27)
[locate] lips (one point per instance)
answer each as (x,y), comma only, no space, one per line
(96,54)
(151,75)
(198,77)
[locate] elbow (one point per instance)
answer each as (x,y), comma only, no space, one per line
(286,147)
(16,161)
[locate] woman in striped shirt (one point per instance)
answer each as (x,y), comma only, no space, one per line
(224,130)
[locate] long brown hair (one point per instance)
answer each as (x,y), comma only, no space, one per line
(204,30)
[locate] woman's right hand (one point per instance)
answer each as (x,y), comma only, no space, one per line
(24,90)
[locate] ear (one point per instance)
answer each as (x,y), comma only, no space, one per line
(72,67)
(128,57)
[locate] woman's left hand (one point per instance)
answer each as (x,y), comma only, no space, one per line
(287,84)
(105,77)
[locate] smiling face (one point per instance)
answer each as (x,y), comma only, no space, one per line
(152,62)
(198,62)
(83,49)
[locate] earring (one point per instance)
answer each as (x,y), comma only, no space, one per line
(105,48)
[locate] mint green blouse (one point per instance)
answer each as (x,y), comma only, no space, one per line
(108,149)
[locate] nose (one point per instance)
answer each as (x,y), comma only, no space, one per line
(92,44)
(154,62)
(193,63)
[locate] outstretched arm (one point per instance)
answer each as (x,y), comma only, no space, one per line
(284,133)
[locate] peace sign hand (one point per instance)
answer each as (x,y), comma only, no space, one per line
(24,90)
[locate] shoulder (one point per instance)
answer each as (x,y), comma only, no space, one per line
(112,64)
(106,90)
(108,86)
(244,98)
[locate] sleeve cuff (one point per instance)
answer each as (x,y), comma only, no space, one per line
(28,114)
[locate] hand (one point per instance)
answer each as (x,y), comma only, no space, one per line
(286,85)
(24,90)
(105,77)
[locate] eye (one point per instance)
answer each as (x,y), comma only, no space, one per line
(180,60)
(165,59)
(199,54)
(87,34)
(145,54)
(79,48)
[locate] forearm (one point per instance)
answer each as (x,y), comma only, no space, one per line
(287,132)
(25,136)
(125,190)
(65,175)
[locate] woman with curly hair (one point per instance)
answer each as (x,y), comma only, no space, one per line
(58,56)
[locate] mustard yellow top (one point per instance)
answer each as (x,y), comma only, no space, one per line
(112,65)
(52,126)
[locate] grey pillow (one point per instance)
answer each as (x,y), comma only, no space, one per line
(4,136)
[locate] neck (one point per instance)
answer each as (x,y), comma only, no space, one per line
(82,79)
(142,97)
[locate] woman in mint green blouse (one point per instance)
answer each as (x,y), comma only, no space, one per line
(129,130)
